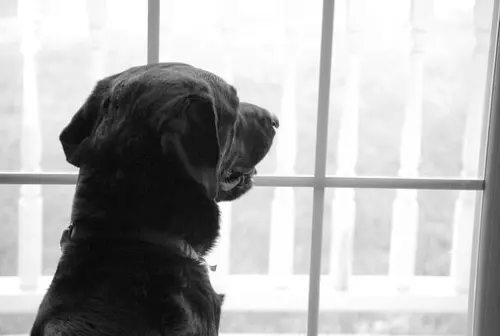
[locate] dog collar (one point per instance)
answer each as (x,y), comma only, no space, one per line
(74,233)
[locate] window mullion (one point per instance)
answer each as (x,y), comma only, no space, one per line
(153,52)
(325,66)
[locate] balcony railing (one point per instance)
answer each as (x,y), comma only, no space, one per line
(280,290)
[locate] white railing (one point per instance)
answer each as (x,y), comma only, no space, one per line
(282,219)
(281,290)
(30,200)
(343,203)
(405,207)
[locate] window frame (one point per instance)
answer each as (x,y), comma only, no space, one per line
(485,288)
(484,292)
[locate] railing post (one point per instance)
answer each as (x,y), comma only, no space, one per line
(30,201)
(343,204)
(281,249)
(405,208)
(465,219)
(96,18)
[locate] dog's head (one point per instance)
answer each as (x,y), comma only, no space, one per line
(172,114)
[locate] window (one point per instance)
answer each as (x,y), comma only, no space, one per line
(367,216)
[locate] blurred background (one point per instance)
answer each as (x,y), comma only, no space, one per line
(407,99)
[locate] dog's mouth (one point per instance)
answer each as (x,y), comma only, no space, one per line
(233,178)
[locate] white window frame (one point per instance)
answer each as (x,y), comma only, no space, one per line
(484,292)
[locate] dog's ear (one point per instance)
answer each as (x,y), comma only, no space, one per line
(189,129)
(75,137)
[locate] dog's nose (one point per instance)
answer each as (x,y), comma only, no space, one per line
(270,121)
(275,121)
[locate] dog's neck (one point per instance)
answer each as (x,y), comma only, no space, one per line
(124,203)
(84,232)
(72,234)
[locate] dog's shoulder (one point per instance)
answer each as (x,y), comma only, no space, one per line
(146,292)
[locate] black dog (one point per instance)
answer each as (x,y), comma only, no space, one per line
(157,146)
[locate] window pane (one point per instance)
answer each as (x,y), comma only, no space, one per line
(43,226)
(266,284)
(408,87)
(262,259)
(397,261)
(51,218)
(269,50)
(50,64)
(272,57)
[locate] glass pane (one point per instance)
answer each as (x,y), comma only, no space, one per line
(269,50)
(266,283)
(408,87)
(262,259)
(18,208)
(397,261)
(50,64)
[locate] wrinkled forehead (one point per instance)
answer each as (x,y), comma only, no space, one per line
(161,84)
(155,85)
